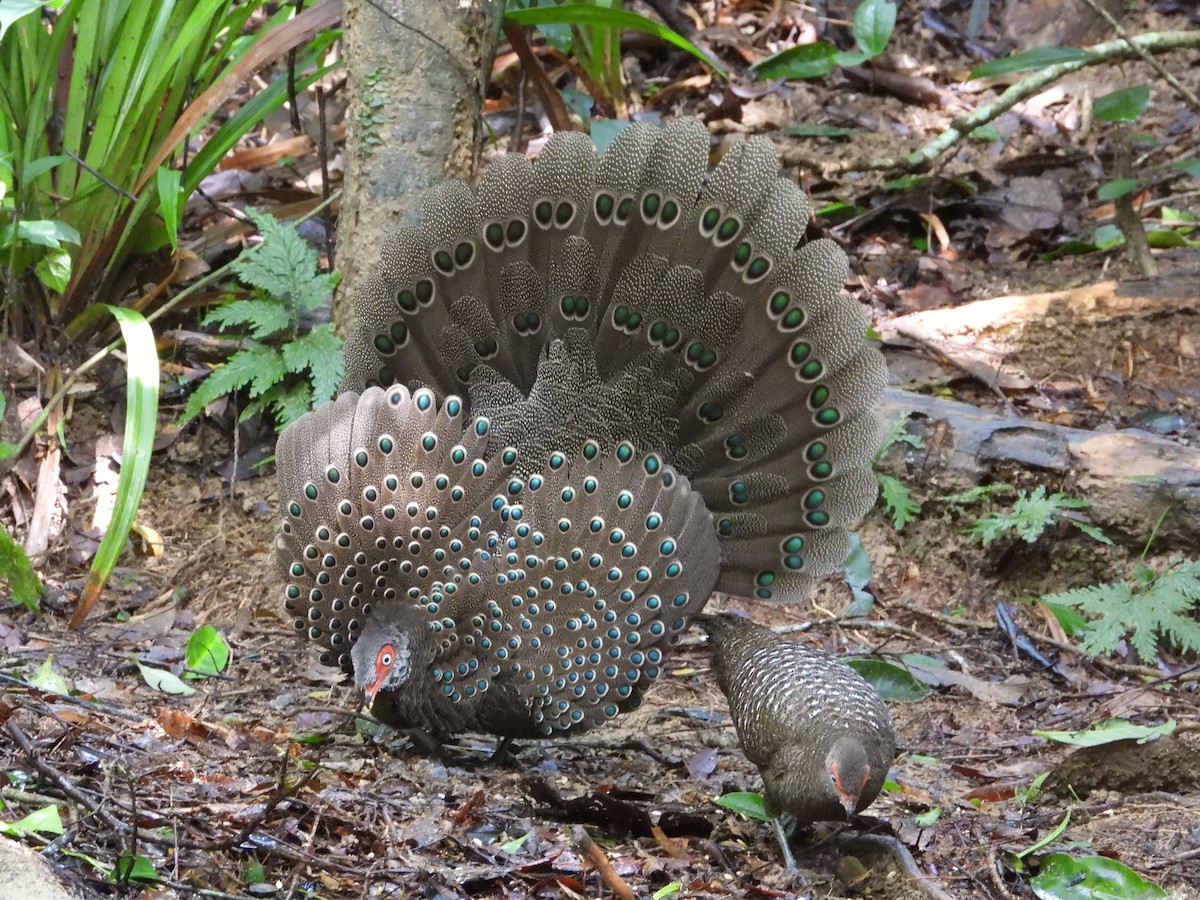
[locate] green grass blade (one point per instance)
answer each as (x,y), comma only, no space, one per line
(40,51)
(131,37)
(111,90)
(262,104)
(141,422)
(172,51)
(167,184)
(83,63)
(609,18)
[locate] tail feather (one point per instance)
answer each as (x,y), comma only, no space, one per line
(636,296)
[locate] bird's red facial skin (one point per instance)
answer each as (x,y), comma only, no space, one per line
(849,798)
(383,665)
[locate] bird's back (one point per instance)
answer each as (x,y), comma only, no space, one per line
(781,691)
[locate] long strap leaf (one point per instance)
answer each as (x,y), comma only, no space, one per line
(141,422)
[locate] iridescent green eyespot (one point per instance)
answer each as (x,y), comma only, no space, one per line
(728,230)
(828,417)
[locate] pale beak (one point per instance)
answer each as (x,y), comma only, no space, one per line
(849,803)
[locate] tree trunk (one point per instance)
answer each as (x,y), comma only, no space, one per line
(417,71)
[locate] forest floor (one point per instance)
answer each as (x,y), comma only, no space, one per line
(264,781)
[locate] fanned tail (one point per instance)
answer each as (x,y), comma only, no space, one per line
(693,323)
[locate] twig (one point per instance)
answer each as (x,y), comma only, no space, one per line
(1190,98)
(552,102)
(672,848)
(191,889)
(714,851)
(323,156)
(59,779)
(669,12)
(602,98)
(14,795)
(903,859)
(1127,217)
(1135,671)
(615,882)
(1172,860)
(922,159)
(515,139)
(74,792)
(293,106)
(842,622)
(90,705)
(996,874)
(115,188)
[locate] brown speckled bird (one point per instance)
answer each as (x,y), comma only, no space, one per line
(818,732)
(578,399)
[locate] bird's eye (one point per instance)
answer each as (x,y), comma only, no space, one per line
(386,657)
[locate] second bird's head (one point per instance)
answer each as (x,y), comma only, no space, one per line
(816,782)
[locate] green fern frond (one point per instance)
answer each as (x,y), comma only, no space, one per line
(284,265)
(1145,612)
(264,315)
(256,367)
(897,500)
(320,352)
(1031,515)
(285,376)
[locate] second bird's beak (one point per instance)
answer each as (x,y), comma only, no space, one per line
(849,803)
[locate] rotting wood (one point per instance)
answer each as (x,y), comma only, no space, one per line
(981,337)
(1129,477)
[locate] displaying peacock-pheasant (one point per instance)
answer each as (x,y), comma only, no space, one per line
(578,400)
(818,732)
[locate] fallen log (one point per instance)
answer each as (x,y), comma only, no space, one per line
(1130,477)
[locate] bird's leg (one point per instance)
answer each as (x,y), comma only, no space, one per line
(783,834)
(424,743)
(502,750)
